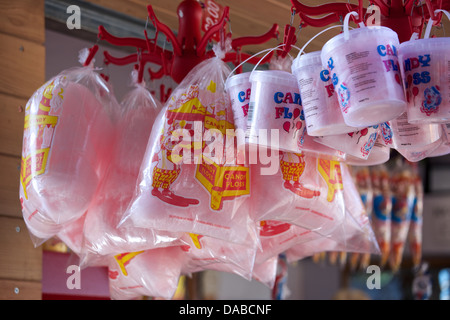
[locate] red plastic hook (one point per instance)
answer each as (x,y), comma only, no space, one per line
(132,42)
(340,9)
(320,22)
(166,30)
(242,41)
(211,31)
(92,52)
(289,40)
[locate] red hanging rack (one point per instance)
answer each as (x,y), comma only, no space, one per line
(403,16)
(189,45)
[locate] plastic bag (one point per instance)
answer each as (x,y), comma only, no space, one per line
(101,231)
(416,225)
(382,210)
(153,273)
(353,234)
(277,237)
(208,253)
(266,272)
(305,191)
(72,235)
(67,141)
(402,207)
(363,182)
(185,184)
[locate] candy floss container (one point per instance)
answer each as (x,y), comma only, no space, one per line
(275,104)
(379,154)
(427,79)
(323,115)
(364,69)
(238,88)
(417,136)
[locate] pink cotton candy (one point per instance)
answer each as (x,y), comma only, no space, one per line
(209,196)
(266,272)
(353,234)
(153,273)
(277,237)
(103,235)
(364,68)
(203,252)
(72,235)
(68,136)
(305,191)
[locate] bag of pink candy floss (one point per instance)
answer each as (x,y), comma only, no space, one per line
(153,273)
(305,191)
(353,233)
(189,179)
(208,253)
(67,142)
(102,235)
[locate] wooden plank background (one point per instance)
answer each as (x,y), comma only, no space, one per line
(248,18)
(22,71)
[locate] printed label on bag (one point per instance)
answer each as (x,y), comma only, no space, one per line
(39,127)
(223,182)
(331,172)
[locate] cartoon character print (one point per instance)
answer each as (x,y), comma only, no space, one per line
(386,133)
(344,97)
(271,228)
(166,172)
(365,149)
(297,121)
(432,100)
(292,166)
(362,133)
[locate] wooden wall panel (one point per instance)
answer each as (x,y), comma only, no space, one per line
(22,65)
(20,259)
(22,71)
(20,290)
(11,124)
(24,19)
(9,186)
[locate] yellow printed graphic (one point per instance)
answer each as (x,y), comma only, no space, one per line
(60,93)
(331,172)
(211,87)
(163,178)
(196,240)
(32,166)
(223,182)
(221,125)
(124,259)
(292,170)
(47,96)
(39,120)
(191,106)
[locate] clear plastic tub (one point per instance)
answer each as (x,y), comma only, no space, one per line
(363,65)
(426,64)
(408,135)
(275,107)
(323,115)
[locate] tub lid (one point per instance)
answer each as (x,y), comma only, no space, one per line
(274,76)
(354,34)
(425,44)
(307,59)
(237,79)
